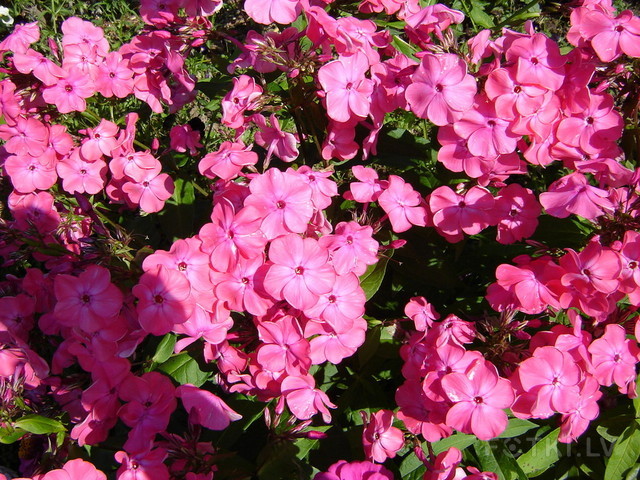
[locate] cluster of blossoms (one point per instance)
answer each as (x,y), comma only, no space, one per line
(269,288)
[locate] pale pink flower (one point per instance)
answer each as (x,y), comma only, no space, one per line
(276,141)
(114,77)
(573,194)
(149,190)
(243,96)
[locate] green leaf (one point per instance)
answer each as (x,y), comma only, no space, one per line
(371,279)
(541,456)
(459,440)
(487,459)
(625,453)
(39,425)
(480,17)
(412,468)
(634,473)
(403,47)
(305,445)
(507,462)
(516,427)
(165,348)
(183,369)
(10,435)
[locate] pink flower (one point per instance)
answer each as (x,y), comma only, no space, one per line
(102,141)
(228,161)
(454,213)
(355,471)
(518,211)
(244,96)
(270,11)
(610,37)
(614,359)
(352,247)
(22,36)
(380,440)
(27,174)
(369,188)
(549,378)
(114,77)
(149,190)
(275,140)
(348,91)
(144,465)
(303,399)
(299,272)
(403,205)
(421,312)
(487,134)
(480,397)
(282,200)
(205,408)
(184,138)
(73,470)
(162,300)
(80,175)
(538,61)
(441,89)
(573,194)
(68,95)
(87,300)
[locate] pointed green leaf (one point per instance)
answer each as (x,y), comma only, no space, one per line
(459,440)
(625,453)
(39,425)
(184,369)
(541,456)
(165,348)
(516,427)
(371,279)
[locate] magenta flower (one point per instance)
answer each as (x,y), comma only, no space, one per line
(27,174)
(352,247)
(80,175)
(244,96)
(348,91)
(550,379)
(480,397)
(380,439)
(441,89)
(205,408)
(538,61)
(114,77)
(518,211)
(149,190)
(355,471)
(299,272)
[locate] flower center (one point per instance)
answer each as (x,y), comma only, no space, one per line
(438,87)
(478,400)
(299,270)
(280,204)
(158,299)
(182,266)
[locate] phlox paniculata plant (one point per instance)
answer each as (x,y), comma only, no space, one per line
(286,296)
